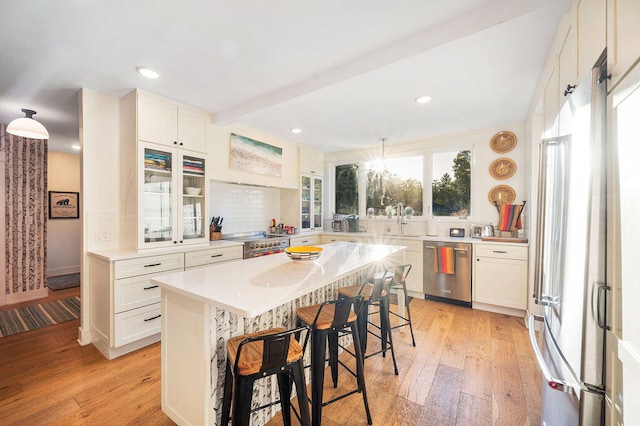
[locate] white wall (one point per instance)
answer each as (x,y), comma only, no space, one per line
(482,182)
(64,236)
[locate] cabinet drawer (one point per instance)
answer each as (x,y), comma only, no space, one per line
(137,324)
(211,256)
(502,251)
(134,292)
(305,241)
(148,265)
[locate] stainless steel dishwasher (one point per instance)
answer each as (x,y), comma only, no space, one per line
(451,288)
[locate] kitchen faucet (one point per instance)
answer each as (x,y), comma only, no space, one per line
(400,217)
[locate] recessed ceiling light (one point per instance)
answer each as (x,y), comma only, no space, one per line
(147,72)
(423,99)
(296,130)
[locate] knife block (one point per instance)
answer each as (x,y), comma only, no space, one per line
(213,235)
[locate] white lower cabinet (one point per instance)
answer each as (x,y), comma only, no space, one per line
(125,304)
(305,240)
(500,275)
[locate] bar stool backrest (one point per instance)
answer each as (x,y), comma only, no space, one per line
(343,308)
(397,275)
(275,350)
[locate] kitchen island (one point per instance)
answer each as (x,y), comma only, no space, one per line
(202,308)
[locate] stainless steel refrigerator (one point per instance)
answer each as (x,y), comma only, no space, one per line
(570,260)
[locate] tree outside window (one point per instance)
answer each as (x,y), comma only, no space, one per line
(451,186)
(397,180)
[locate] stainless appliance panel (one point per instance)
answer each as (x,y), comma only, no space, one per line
(570,260)
(455,288)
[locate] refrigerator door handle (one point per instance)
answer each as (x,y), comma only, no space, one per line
(601,307)
(553,383)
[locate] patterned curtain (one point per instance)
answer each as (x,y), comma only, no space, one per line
(25,193)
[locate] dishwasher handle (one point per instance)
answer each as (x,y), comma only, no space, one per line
(462,250)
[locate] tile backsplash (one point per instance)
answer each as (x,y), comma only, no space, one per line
(244,208)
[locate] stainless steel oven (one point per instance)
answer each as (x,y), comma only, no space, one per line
(260,243)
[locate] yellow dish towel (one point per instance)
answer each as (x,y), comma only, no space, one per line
(444,260)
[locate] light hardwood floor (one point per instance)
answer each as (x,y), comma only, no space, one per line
(469,368)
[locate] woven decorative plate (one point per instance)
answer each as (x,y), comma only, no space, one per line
(502,194)
(503,142)
(502,168)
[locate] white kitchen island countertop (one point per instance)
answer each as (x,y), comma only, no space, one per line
(251,287)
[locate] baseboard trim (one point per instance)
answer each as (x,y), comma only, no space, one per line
(84,336)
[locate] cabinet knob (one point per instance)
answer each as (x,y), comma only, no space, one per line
(181,241)
(175,142)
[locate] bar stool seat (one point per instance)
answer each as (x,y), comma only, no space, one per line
(256,355)
(325,321)
(374,294)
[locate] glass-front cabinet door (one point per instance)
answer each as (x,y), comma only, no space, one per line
(172,201)
(317,203)
(157,204)
(310,203)
(193,198)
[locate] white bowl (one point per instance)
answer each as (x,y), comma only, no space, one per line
(190,190)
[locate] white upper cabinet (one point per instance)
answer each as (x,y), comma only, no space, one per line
(592,33)
(567,65)
(169,123)
(623,37)
(551,105)
(311,161)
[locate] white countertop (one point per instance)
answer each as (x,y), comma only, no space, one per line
(253,286)
(121,254)
(384,236)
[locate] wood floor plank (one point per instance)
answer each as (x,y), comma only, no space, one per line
(509,405)
(480,335)
(454,352)
(501,327)
(477,377)
(531,379)
(402,413)
(441,407)
(473,411)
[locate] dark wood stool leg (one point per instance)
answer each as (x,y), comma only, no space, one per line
(360,369)
(284,387)
(301,390)
(386,329)
(318,353)
(363,320)
(227,394)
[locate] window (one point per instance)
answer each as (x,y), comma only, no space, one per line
(393,181)
(347,189)
(451,184)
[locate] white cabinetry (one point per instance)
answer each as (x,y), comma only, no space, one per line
(310,203)
(500,275)
(623,37)
(163,185)
(125,305)
(171,198)
(169,123)
(311,161)
(309,240)
(592,33)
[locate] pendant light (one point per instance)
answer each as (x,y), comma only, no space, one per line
(28,127)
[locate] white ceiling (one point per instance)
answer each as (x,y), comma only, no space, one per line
(345,72)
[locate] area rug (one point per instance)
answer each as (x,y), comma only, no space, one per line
(63,281)
(27,318)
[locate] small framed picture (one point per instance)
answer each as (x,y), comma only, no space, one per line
(64,205)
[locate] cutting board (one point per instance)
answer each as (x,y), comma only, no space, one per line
(505,240)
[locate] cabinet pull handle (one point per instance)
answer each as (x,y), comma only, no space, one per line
(152,318)
(602,316)
(433,247)
(151,287)
(152,264)
(217,255)
(500,251)
(304,241)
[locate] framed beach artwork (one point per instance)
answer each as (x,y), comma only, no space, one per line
(64,205)
(253,156)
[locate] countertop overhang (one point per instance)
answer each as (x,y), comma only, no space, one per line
(251,287)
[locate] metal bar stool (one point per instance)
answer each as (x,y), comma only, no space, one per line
(396,279)
(253,356)
(374,294)
(326,320)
